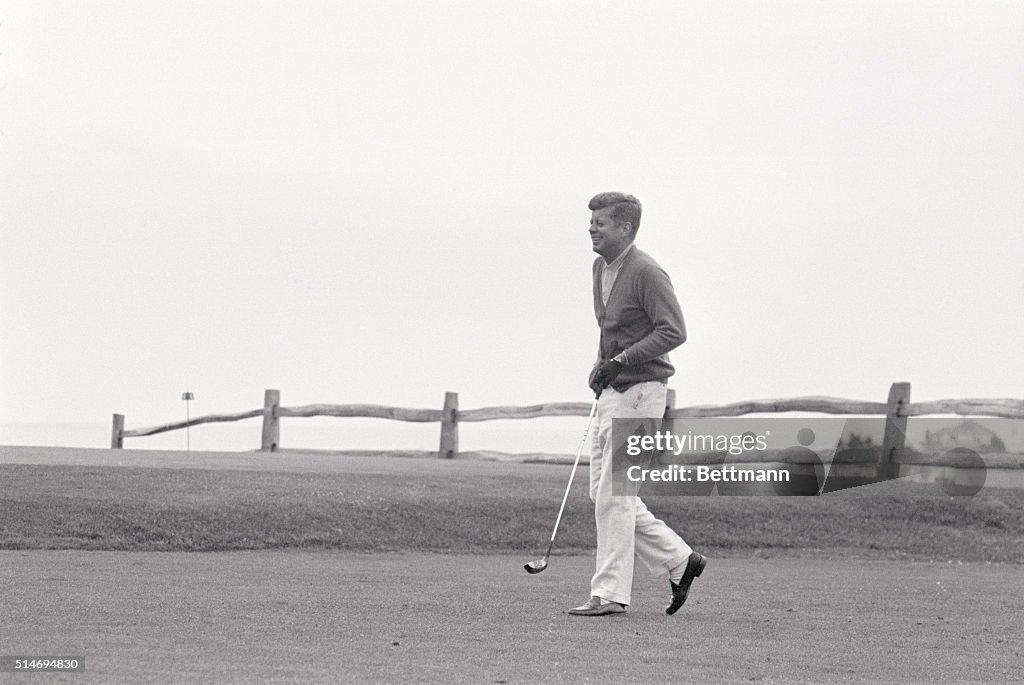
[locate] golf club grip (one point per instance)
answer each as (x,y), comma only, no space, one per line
(572,474)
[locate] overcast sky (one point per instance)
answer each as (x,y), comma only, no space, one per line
(381,201)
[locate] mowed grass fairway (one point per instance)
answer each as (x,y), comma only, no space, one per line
(397,617)
(323,568)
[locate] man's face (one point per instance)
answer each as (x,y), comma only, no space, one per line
(609,239)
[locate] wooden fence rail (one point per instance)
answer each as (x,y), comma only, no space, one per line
(896,410)
(177,425)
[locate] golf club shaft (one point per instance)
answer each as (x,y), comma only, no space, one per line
(572,475)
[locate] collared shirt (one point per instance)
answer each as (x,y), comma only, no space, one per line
(609,272)
(641,318)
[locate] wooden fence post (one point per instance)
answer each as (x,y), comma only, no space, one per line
(449,427)
(668,424)
(117,432)
(271,422)
(895,431)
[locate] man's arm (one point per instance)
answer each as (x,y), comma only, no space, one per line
(658,298)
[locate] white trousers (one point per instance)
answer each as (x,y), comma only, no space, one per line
(625,527)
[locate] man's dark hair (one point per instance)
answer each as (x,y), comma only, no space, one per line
(624,208)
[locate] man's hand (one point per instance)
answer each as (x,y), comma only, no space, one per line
(605,375)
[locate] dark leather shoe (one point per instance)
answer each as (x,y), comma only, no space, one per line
(694,567)
(594,607)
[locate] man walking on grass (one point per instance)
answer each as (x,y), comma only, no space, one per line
(640,322)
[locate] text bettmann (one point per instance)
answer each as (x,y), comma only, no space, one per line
(701,474)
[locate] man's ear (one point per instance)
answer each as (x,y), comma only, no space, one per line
(628,227)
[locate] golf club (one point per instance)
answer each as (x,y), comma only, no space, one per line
(541,564)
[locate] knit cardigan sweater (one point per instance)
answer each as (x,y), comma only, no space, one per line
(642,319)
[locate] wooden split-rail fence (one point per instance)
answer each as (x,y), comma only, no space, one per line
(896,410)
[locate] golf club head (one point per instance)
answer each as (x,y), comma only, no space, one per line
(536,566)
